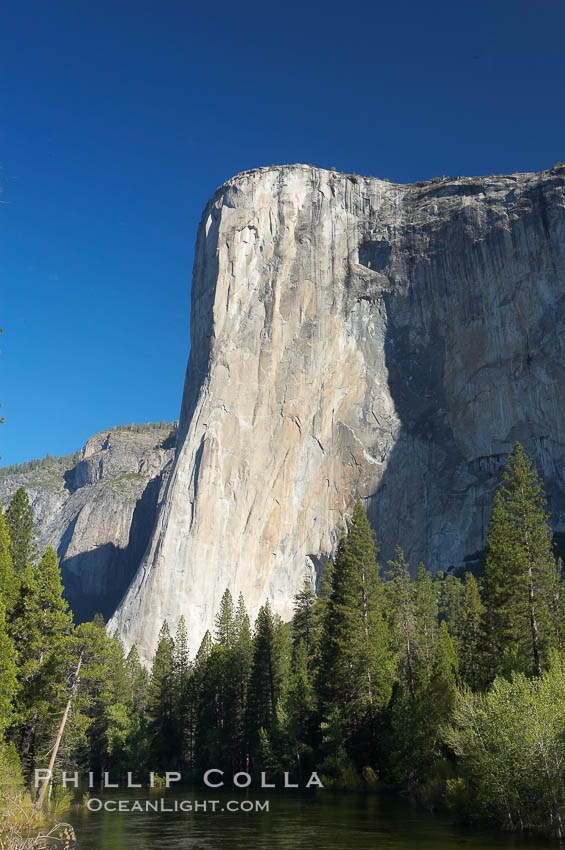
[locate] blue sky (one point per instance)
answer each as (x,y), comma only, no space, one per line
(119,119)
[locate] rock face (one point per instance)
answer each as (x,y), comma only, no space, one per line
(97,509)
(353,337)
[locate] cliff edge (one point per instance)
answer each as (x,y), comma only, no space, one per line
(354,337)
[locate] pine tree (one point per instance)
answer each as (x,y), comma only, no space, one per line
(42,631)
(225,623)
(300,707)
(268,673)
(136,752)
(162,726)
(8,580)
(183,676)
(413,743)
(323,596)
(264,682)
(468,635)
(53,607)
(19,520)
(451,591)
(213,744)
(521,577)
(445,669)
(305,623)
(242,625)
(355,673)
(138,681)
(402,615)
(203,653)
(103,709)
(241,660)
(8,676)
(426,611)
(199,696)
(339,672)
(181,656)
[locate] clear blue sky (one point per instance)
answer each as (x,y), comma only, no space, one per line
(119,119)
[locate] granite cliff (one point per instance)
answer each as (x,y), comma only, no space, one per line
(97,509)
(354,337)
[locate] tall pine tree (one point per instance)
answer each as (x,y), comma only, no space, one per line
(268,673)
(19,520)
(241,659)
(306,622)
(225,622)
(355,675)
(138,680)
(8,580)
(162,726)
(42,630)
(402,620)
(8,676)
(467,633)
(521,577)
(183,678)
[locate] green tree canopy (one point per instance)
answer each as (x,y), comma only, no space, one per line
(19,520)
(225,621)
(8,580)
(521,578)
(355,673)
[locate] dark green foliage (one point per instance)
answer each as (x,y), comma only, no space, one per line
(8,675)
(426,611)
(521,578)
(300,713)
(445,669)
(402,620)
(104,713)
(221,675)
(183,695)
(138,681)
(373,680)
(145,427)
(42,631)
(8,579)
(413,741)
(225,622)
(59,464)
(268,675)
(467,634)
(210,674)
(306,621)
(19,521)
(355,672)
(240,660)
(161,705)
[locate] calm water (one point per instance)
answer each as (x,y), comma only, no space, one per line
(324,821)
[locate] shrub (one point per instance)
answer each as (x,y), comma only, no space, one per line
(511,746)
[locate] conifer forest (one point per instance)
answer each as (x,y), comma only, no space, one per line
(446,687)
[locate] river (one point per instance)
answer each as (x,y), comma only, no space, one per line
(320,821)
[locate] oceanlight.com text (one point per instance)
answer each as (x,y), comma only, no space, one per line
(163,805)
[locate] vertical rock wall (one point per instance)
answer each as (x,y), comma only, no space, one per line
(353,337)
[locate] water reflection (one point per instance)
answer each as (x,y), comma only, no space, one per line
(320,821)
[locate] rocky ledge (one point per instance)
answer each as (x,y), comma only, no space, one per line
(97,509)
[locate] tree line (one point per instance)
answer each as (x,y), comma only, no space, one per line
(64,462)
(449,688)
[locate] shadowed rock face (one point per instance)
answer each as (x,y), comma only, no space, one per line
(98,514)
(352,337)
